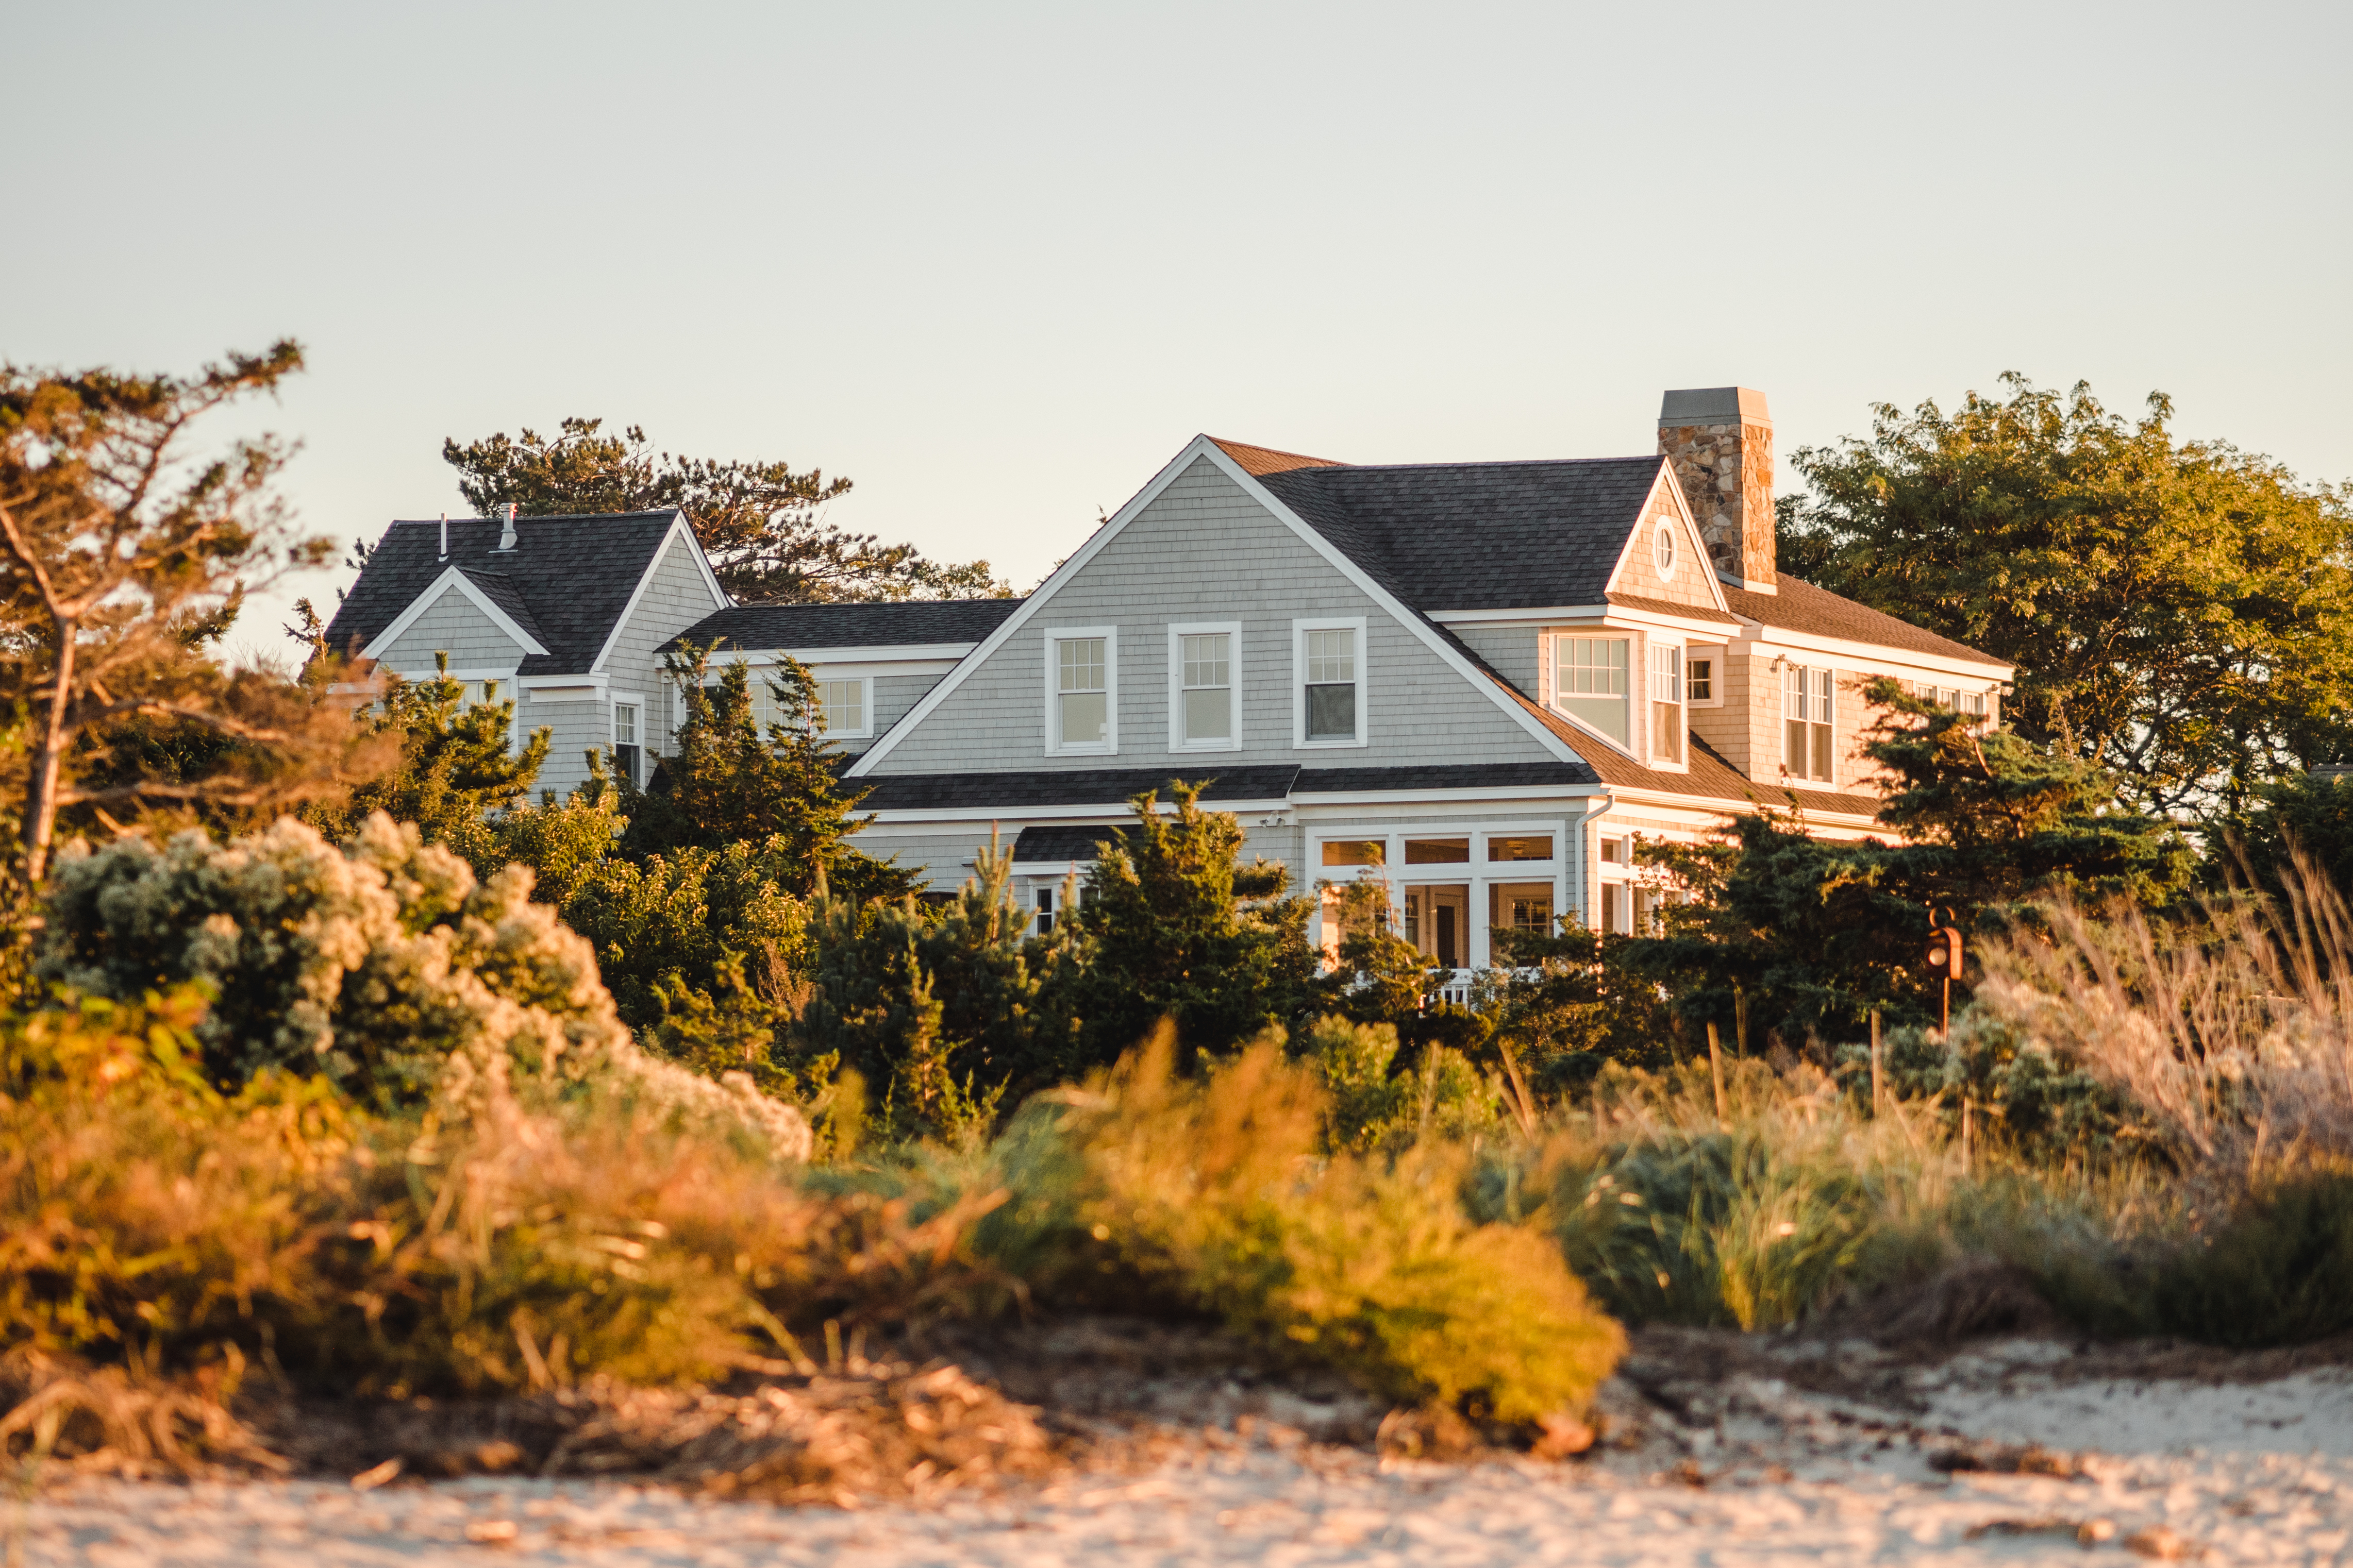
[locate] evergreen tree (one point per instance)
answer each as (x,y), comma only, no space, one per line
(2308,813)
(1175,937)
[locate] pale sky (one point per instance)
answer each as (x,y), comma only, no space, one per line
(998,264)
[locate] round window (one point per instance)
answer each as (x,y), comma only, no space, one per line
(1663,552)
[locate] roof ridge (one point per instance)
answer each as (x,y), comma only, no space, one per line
(1257,469)
(1502,463)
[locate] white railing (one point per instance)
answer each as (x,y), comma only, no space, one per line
(1455,989)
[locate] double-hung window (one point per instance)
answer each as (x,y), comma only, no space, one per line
(1806,720)
(1080,671)
(627,751)
(1204,687)
(839,708)
(1666,702)
(1589,682)
(1330,692)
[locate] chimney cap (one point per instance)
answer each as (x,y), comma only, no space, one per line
(1714,406)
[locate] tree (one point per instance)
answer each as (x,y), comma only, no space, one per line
(122,558)
(2181,612)
(1813,935)
(2306,814)
(1175,937)
(760,523)
(727,780)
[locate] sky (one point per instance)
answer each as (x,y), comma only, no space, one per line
(998,263)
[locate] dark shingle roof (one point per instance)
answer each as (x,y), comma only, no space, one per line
(1459,536)
(1083,786)
(1060,843)
(499,589)
(1799,606)
(852,626)
(572,576)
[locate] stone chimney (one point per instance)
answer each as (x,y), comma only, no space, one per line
(1720,439)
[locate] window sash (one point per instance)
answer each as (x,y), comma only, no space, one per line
(1332,656)
(1699,680)
(1207,677)
(1079,663)
(1589,666)
(1331,711)
(840,705)
(625,723)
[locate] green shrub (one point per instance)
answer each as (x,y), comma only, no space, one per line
(1215,1192)
(2279,1271)
(1373,1106)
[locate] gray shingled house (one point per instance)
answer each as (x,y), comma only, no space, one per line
(1477,681)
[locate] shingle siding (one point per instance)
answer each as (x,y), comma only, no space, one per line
(456,625)
(676,598)
(1515,652)
(1689,584)
(1202,551)
(573,727)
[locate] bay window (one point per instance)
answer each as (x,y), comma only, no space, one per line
(1807,722)
(1666,704)
(1589,682)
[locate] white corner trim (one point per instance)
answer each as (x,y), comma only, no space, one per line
(1053,730)
(719,598)
(452,577)
(1177,632)
(1299,627)
(1021,618)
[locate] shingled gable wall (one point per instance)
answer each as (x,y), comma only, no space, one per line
(1205,551)
(456,625)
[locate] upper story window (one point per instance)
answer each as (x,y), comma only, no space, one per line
(1331,699)
(1806,722)
(841,707)
(1662,550)
(1666,702)
(1204,693)
(1079,671)
(1589,682)
(1699,680)
(628,752)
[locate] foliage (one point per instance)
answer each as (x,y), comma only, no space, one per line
(1815,933)
(458,764)
(2018,1093)
(383,968)
(2180,611)
(761,523)
(1563,1003)
(1371,1106)
(1171,939)
(123,555)
(925,1004)
(2279,1270)
(2311,813)
(1212,1189)
(727,782)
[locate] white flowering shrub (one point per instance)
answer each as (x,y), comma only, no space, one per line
(386,966)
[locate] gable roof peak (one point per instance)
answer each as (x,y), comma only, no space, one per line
(1259,461)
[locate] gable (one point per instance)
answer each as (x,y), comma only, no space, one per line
(451,622)
(1202,549)
(1691,581)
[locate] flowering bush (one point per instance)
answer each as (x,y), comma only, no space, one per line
(384,965)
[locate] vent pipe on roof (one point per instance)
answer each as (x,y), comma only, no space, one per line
(507,534)
(445,536)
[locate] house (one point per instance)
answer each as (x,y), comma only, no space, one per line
(1478,682)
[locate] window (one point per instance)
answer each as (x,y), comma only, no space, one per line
(1973,703)
(1666,704)
(1331,706)
(1589,682)
(1662,550)
(480,693)
(1527,847)
(1616,909)
(1436,851)
(1079,673)
(839,708)
(1806,711)
(1045,911)
(626,751)
(1520,906)
(1699,680)
(1356,852)
(1204,706)
(1614,853)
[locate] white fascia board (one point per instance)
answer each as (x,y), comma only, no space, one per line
(453,577)
(1771,637)
(1081,813)
(1668,800)
(1544,616)
(1070,567)
(1323,798)
(719,599)
(534,683)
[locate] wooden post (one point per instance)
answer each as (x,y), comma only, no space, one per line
(1969,1119)
(1739,1021)
(1715,1070)
(1876,1092)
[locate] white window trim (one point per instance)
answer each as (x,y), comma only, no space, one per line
(1479,872)
(1548,681)
(1177,633)
(865,731)
(1299,630)
(1714,652)
(1109,746)
(1665,533)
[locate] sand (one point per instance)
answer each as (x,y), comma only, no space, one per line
(1822,1455)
